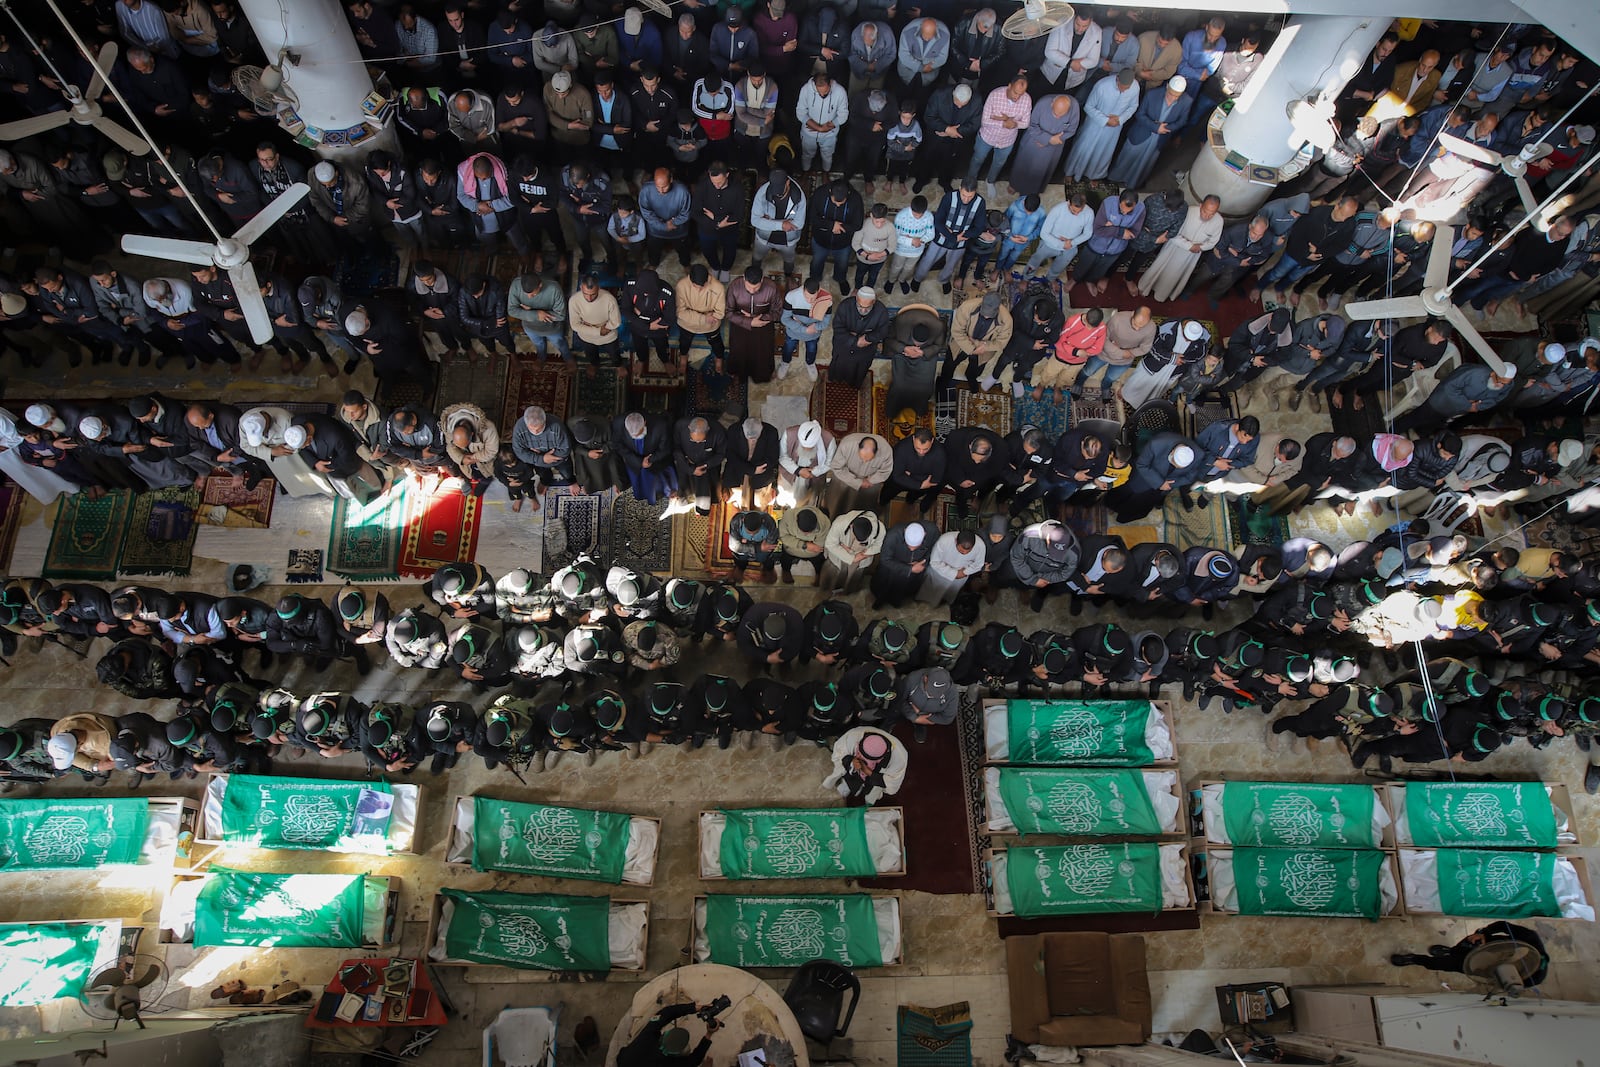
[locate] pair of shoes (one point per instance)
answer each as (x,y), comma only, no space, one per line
(945,288)
(811,371)
(783,370)
(1036,600)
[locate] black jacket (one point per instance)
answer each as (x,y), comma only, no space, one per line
(823,213)
(657,443)
(333,441)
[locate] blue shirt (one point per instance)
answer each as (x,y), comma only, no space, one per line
(1020,222)
(1198,60)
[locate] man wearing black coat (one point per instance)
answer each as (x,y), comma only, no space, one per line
(771,633)
(919,466)
(902,563)
(973,464)
(699,448)
(752,458)
(834,216)
(389,340)
(859,329)
(140,747)
(307,627)
(1432,460)
(214,434)
(481,307)
(333,449)
(1328,460)
(166,421)
(950,123)
(644,444)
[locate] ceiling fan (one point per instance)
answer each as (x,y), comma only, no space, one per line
(83,108)
(229,254)
(1513,166)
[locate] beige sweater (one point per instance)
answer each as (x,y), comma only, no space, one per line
(961,339)
(700,307)
(587,317)
(485,439)
(1124,342)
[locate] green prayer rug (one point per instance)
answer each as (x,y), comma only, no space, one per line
(1480,814)
(161,532)
(599,395)
(1496,885)
(280,910)
(550,841)
(1321,882)
(789,931)
(796,843)
(934,1037)
(530,931)
(1084,879)
(41,962)
(1078,803)
(1079,732)
(306,814)
(86,538)
(1298,815)
(364,539)
(1256,526)
(85,834)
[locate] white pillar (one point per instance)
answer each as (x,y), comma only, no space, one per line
(330,80)
(1314,55)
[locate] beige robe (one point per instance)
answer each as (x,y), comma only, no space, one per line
(1170,272)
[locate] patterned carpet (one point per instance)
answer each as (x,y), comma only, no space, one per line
(441,527)
(1047,415)
(599,396)
(86,538)
(991,410)
(640,537)
(528,382)
(572,527)
(364,540)
(1207,527)
(11,499)
(479,381)
(226,502)
(712,394)
(881,423)
(700,542)
(161,532)
(1255,526)
(841,408)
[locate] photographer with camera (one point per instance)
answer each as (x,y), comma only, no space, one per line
(661,1045)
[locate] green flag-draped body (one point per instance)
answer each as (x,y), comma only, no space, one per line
(1078,732)
(534,931)
(546,840)
(1308,881)
(306,813)
(796,843)
(790,931)
(1298,815)
(1084,879)
(1497,885)
(280,910)
(42,962)
(87,833)
(1078,803)
(1480,815)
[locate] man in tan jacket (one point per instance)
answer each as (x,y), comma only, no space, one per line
(570,108)
(1412,90)
(594,315)
(472,441)
(702,304)
(1159,54)
(82,743)
(979,332)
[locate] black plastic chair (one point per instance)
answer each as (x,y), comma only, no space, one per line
(816,996)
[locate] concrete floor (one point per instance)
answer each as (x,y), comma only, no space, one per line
(951,949)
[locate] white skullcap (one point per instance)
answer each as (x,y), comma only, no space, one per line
(1182,456)
(1178,83)
(1569,451)
(1428,610)
(253,428)
(1193,331)
(1505,370)
(38,414)
(810,434)
(324,172)
(632,20)
(90,426)
(13,303)
(915,534)
(1554,352)
(295,437)
(867,293)
(62,747)
(357,323)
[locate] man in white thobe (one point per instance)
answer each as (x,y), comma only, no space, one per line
(1112,102)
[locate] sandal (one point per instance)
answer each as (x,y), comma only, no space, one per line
(227,989)
(248,996)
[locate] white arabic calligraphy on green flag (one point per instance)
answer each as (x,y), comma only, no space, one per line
(549,840)
(1078,802)
(280,910)
(1480,814)
(796,843)
(1308,881)
(533,931)
(1084,879)
(306,813)
(1078,732)
(77,833)
(1497,885)
(1298,815)
(790,931)
(41,962)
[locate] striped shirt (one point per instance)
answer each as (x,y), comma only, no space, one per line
(996,109)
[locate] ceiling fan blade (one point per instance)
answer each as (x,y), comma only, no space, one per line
(281,205)
(16,131)
(125,138)
(1438,273)
(251,304)
(1470,334)
(1400,307)
(1470,150)
(102,62)
(169,248)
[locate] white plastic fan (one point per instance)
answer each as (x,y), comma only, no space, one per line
(83,108)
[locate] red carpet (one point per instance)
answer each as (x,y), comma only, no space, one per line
(1227,315)
(440,528)
(935,799)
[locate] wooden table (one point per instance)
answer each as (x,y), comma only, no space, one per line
(433,1015)
(758,1017)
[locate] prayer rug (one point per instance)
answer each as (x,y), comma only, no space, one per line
(529,382)
(364,269)
(942,826)
(572,528)
(882,421)
(990,410)
(1088,520)
(700,542)
(1052,418)
(934,1037)
(304,566)
(11,499)
(946,519)
(364,539)
(1136,535)
(1553,531)
(842,408)
(601,395)
(395,394)
(1206,527)
(251,508)
(476,381)
(1083,409)
(945,408)
(161,532)
(1256,526)
(87,536)
(441,527)
(641,534)
(712,394)
(1011,289)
